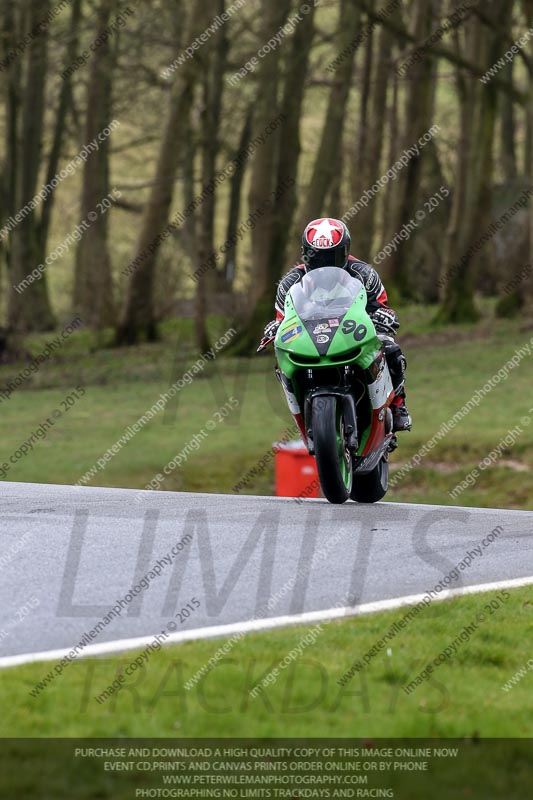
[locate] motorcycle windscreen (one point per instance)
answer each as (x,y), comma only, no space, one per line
(321,300)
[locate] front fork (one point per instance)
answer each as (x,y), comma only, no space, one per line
(304,421)
(348,413)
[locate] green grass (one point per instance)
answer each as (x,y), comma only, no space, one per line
(463,697)
(445,367)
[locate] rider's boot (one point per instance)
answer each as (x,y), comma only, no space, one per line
(401,420)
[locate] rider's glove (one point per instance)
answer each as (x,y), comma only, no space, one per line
(270,334)
(385,320)
(271,329)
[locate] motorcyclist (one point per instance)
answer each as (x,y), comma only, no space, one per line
(325,243)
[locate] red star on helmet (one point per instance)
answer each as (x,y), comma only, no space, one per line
(324,233)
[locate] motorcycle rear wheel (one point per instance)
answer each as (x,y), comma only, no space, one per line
(333,459)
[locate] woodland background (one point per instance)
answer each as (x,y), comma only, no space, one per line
(352,83)
(180,242)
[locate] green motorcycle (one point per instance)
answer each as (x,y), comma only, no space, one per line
(337,383)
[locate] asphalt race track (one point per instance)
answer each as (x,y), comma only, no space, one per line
(69,554)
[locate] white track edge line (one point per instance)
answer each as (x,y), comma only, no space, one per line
(255,625)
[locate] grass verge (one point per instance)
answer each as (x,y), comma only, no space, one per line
(445,368)
(462,698)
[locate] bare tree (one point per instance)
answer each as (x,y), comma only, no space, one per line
(263,178)
(93,286)
(330,143)
(212,90)
(419,107)
(138,316)
(359,150)
(526,299)
(375,128)
(508,132)
(227,276)
(28,309)
(284,208)
(471,203)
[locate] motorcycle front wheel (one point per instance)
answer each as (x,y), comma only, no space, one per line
(333,459)
(373,486)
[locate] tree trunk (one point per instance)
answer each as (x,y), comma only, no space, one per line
(508,132)
(458,291)
(330,143)
(189,229)
(394,128)
(93,285)
(333,195)
(264,174)
(29,309)
(138,316)
(418,118)
(214,69)
(65,96)
(527,294)
(472,196)
(528,144)
(370,168)
(289,153)
(360,149)
(10,34)
(228,275)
